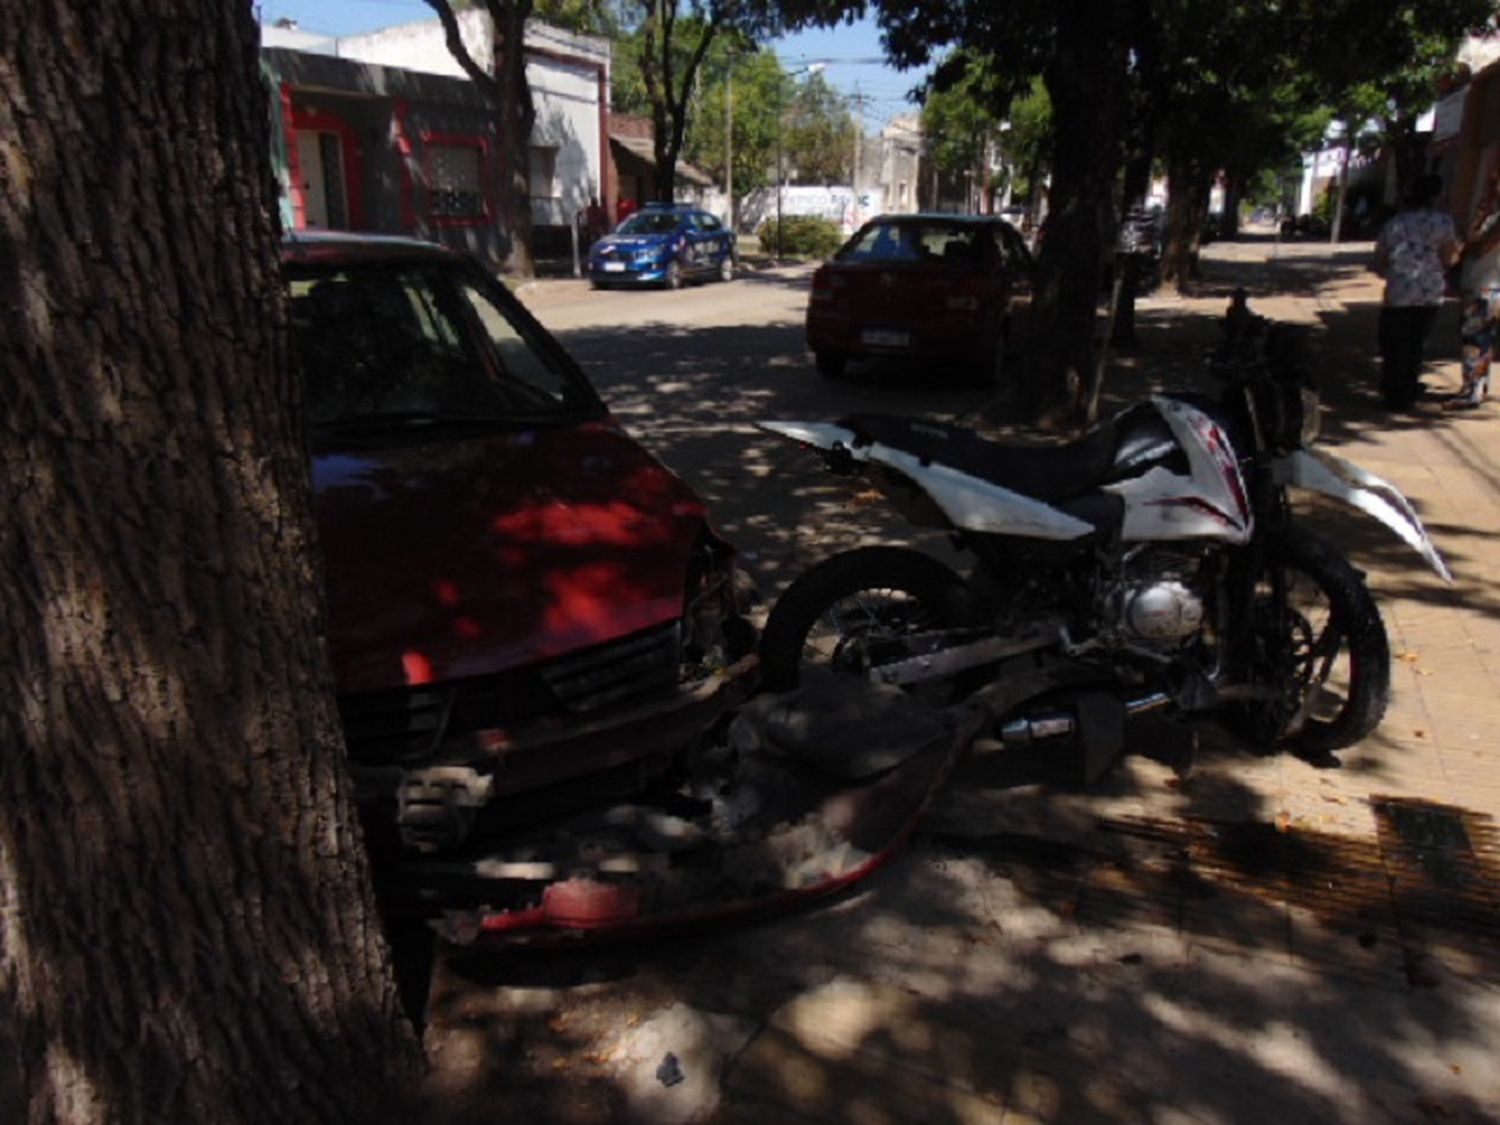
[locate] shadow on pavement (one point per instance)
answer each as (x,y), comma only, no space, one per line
(1206,966)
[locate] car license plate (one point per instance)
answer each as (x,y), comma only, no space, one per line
(884,338)
(614,267)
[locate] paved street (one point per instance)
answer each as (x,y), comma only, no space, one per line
(1270,939)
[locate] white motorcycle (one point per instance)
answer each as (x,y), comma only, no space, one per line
(1155,563)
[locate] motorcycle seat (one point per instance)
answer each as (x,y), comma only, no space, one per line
(1048,473)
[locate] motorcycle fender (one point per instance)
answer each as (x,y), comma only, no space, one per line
(819,435)
(1318,471)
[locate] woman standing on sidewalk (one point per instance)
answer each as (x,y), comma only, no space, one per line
(1412,253)
(1481,299)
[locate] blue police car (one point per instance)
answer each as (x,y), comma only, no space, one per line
(663,244)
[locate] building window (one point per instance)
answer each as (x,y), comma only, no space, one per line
(455,180)
(544,172)
(902,193)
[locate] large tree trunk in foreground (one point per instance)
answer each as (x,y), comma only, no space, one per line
(1084,80)
(186,927)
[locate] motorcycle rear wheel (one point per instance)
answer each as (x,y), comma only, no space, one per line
(1326,646)
(847,612)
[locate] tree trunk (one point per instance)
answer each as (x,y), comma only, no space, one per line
(1410,151)
(187,931)
(1336,228)
(1122,312)
(1084,80)
(1187,205)
(517,114)
(1232,192)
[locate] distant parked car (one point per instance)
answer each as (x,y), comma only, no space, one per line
(931,287)
(663,244)
(524,606)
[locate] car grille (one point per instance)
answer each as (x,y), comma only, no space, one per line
(411,723)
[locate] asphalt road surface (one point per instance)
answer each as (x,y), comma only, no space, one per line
(689,373)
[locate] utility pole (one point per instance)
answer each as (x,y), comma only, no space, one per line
(729,139)
(857,100)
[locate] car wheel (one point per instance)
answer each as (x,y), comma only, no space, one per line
(674,275)
(830,365)
(726,268)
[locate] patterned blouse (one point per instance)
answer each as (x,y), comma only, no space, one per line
(1411,246)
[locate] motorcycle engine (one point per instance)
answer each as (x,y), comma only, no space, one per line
(1154,604)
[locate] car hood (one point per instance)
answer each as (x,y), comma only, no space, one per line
(481,554)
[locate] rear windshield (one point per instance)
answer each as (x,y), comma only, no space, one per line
(950,243)
(650,222)
(425,343)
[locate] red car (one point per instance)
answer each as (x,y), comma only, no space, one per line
(526,609)
(930,287)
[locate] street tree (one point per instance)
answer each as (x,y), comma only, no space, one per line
(753,84)
(674,40)
(1081,52)
(187,930)
(502,80)
(962,126)
(819,132)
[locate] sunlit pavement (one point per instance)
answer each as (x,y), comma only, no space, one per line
(1267,939)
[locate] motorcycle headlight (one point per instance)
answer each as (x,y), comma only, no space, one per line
(1312,419)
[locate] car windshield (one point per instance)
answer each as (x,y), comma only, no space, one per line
(650,222)
(393,345)
(949,243)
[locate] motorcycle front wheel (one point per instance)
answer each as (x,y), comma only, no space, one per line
(1318,638)
(856,611)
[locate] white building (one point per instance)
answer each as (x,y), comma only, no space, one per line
(569,76)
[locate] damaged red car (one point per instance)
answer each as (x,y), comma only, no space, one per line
(527,611)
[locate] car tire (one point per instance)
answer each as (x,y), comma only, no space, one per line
(674,275)
(726,268)
(830,365)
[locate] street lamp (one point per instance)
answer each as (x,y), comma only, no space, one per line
(810,68)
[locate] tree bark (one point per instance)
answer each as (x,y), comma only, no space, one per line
(1084,79)
(1137,182)
(517,116)
(187,931)
(1187,206)
(505,87)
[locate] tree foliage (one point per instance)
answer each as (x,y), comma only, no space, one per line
(755,85)
(1221,87)
(819,133)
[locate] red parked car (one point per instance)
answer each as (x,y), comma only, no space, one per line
(929,287)
(526,609)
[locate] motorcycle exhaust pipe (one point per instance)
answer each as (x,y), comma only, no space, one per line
(1058,723)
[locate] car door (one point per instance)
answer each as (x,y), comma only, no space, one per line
(711,239)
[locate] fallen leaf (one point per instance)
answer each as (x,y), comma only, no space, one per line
(1419,733)
(1455,1068)
(1334,800)
(1283,822)
(1408,657)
